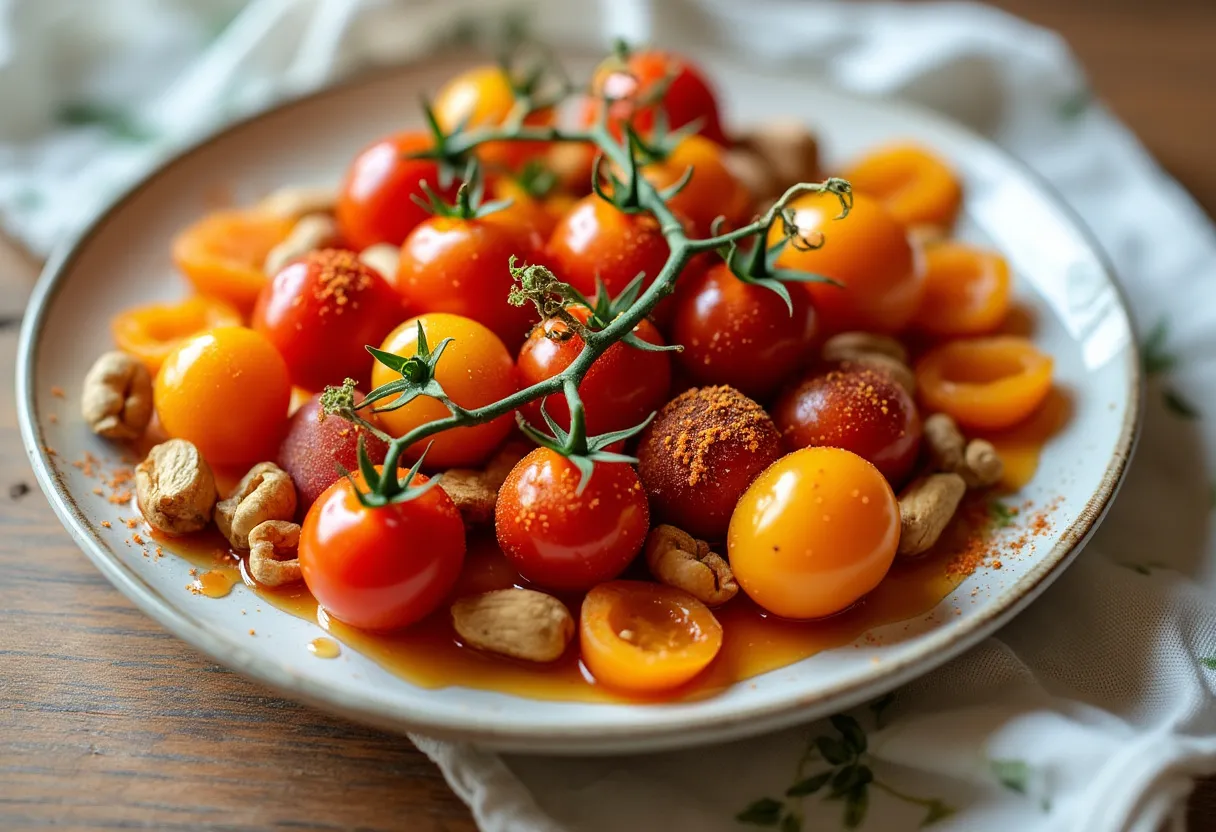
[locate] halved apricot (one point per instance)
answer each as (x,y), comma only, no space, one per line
(988,383)
(915,186)
(222,254)
(966,290)
(151,332)
(646,638)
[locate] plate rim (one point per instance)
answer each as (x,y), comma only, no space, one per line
(686,732)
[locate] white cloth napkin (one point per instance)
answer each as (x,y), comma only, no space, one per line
(1092,711)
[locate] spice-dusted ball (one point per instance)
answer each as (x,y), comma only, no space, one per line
(857,408)
(313,449)
(701,453)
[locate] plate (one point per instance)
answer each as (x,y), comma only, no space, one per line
(123,260)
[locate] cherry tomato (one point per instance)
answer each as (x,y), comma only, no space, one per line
(646,638)
(539,214)
(712,191)
(381,568)
(917,187)
(461,266)
(596,238)
(561,539)
(474,370)
(739,333)
(374,204)
(151,332)
(313,449)
(867,251)
(814,533)
(321,311)
(222,253)
(856,408)
(227,391)
(701,453)
(630,86)
(623,386)
(482,97)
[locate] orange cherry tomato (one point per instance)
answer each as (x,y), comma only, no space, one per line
(915,186)
(227,391)
(462,266)
(814,533)
(222,254)
(596,238)
(712,191)
(564,540)
(474,370)
(987,383)
(482,97)
(381,568)
(539,214)
(623,386)
(966,290)
(647,80)
(868,252)
(374,203)
(646,638)
(151,332)
(739,333)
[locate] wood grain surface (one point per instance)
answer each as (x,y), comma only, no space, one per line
(107,721)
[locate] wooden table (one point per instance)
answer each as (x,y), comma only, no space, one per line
(106,720)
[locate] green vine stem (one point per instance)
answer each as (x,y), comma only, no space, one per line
(453,151)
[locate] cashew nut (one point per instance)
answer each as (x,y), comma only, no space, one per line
(265,493)
(117,397)
(787,147)
(295,201)
(849,345)
(384,258)
(521,623)
(268,542)
(174,488)
(310,233)
(925,509)
(977,461)
(677,559)
(475,492)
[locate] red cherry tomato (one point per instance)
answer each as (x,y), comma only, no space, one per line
(564,540)
(596,238)
(381,568)
(321,311)
(633,84)
(461,266)
(374,204)
(740,334)
(623,386)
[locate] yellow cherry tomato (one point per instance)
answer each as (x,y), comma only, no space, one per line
(814,533)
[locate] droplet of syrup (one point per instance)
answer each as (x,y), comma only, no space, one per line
(324,648)
(214,583)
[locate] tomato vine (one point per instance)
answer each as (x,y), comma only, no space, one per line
(630,192)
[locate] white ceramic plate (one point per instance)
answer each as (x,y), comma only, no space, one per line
(123,260)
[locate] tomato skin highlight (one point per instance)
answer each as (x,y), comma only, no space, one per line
(563,540)
(740,334)
(814,533)
(623,386)
(381,568)
(227,391)
(646,638)
(462,267)
(474,370)
(321,310)
(596,238)
(688,98)
(374,204)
